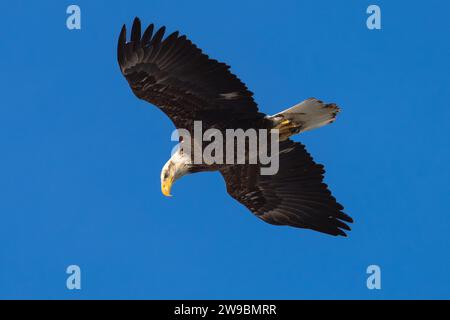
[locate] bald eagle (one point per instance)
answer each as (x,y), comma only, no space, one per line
(176,76)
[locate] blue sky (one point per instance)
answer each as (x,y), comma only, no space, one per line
(81,156)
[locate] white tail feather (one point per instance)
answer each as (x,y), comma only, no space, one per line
(306,115)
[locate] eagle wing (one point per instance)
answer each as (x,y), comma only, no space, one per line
(295,196)
(183,82)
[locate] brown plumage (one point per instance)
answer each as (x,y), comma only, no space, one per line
(173,74)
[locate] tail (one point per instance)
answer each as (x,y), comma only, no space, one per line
(306,115)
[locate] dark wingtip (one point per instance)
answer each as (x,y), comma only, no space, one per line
(340,232)
(147,35)
(121,45)
(174,34)
(347,218)
(136,31)
(158,35)
(342,225)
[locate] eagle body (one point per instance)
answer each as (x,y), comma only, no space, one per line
(176,76)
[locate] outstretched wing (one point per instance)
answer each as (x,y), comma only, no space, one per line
(183,82)
(295,196)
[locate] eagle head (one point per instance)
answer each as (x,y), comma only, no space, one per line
(177,166)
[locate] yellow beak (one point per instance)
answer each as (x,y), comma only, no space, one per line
(166,186)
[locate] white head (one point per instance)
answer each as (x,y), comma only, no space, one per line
(177,166)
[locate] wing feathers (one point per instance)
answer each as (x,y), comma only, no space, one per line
(147,35)
(136,32)
(295,196)
(175,75)
(121,46)
(158,36)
